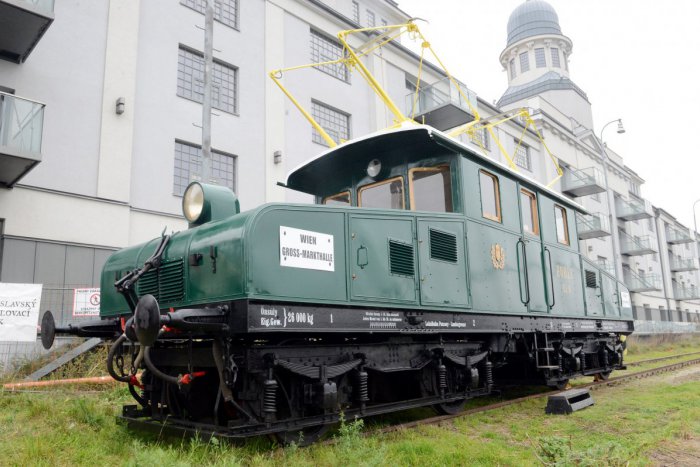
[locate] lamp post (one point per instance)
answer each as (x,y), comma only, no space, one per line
(611,208)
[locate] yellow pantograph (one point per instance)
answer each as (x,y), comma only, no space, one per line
(379,37)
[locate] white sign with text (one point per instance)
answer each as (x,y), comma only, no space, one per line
(306,249)
(86,302)
(19,311)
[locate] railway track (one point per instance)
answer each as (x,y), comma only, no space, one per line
(438,420)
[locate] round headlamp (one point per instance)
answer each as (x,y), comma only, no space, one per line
(193,202)
(374,167)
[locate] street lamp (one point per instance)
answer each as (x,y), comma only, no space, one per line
(611,207)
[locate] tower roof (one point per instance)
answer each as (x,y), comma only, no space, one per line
(532,18)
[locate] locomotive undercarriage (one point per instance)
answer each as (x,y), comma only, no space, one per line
(287,385)
(241,369)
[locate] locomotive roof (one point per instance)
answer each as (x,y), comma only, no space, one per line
(314,174)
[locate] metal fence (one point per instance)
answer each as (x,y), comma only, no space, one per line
(58,299)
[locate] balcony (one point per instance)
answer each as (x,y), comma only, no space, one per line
(592,226)
(685,292)
(639,283)
(21,125)
(675,235)
(22,24)
(633,209)
(583,182)
(441,105)
(683,264)
(635,246)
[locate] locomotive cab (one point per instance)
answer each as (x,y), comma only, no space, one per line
(399,170)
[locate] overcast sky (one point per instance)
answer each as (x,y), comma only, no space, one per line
(635,59)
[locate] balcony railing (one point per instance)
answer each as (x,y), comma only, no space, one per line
(683,264)
(633,246)
(641,283)
(684,292)
(21,127)
(633,209)
(583,182)
(592,226)
(441,105)
(675,235)
(22,24)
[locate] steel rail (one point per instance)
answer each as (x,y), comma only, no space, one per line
(438,420)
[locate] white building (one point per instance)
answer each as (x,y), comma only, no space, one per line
(97,154)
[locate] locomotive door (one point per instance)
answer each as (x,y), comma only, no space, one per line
(442,263)
(530,254)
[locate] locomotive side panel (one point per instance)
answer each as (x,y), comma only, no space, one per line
(563,271)
(493,223)
(298,253)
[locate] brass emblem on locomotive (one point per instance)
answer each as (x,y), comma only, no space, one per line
(498,256)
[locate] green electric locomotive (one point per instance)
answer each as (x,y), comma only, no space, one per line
(425,275)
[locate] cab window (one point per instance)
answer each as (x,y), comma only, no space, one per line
(339,199)
(528,204)
(388,194)
(431,189)
(490,196)
(561,224)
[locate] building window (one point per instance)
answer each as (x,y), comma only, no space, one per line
(384,23)
(555,58)
(325,49)
(411,82)
(528,205)
(480,138)
(335,122)
(513,71)
(562,224)
(490,196)
(356,12)
(651,224)
(596,197)
(188,167)
(190,81)
(524,62)
(225,11)
(370,19)
(540,61)
(522,156)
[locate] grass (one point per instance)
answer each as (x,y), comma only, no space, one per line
(627,424)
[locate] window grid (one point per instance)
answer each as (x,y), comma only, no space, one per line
(513,72)
(324,49)
(540,61)
(336,123)
(190,81)
(225,11)
(370,19)
(356,12)
(555,57)
(480,138)
(522,156)
(188,167)
(524,62)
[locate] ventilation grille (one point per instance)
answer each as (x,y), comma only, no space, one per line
(166,283)
(591,279)
(443,246)
(400,258)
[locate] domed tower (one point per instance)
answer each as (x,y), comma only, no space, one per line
(536,59)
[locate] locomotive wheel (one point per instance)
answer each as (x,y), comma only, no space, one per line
(602,376)
(430,388)
(302,437)
(560,385)
(450,408)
